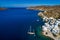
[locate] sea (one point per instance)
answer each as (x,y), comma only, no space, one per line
(15,23)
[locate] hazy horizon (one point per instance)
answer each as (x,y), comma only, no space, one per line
(27,3)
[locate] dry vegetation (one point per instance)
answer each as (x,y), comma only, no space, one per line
(51,11)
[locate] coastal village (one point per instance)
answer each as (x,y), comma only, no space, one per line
(51,27)
(51,17)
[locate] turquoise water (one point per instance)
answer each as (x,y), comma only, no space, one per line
(15,23)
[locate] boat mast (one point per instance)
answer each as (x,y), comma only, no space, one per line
(30,28)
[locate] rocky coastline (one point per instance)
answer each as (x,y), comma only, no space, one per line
(49,11)
(51,16)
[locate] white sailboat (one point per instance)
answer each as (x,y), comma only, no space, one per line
(30,31)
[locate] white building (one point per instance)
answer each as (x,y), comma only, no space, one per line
(52,24)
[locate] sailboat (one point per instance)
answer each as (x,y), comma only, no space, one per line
(30,31)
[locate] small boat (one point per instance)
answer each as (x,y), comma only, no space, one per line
(37,20)
(30,31)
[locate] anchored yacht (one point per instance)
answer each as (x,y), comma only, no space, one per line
(30,31)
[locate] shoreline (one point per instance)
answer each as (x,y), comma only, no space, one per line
(49,11)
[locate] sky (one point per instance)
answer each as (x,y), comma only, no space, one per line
(26,3)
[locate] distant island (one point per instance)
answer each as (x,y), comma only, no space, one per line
(3,8)
(51,16)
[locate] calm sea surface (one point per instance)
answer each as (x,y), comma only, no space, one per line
(15,23)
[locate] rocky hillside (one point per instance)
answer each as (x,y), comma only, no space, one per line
(49,11)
